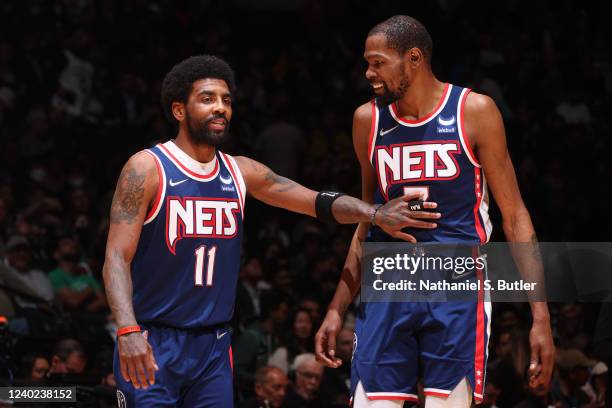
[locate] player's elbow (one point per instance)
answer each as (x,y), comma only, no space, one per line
(517,224)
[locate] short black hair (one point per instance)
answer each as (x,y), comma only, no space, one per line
(179,81)
(403,33)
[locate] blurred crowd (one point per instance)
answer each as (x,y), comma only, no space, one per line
(79,93)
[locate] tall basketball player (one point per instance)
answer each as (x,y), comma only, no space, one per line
(447,143)
(173,250)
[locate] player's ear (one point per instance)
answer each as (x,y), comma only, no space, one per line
(178,110)
(414,57)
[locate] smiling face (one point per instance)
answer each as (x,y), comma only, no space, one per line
(207,113)
(387,72)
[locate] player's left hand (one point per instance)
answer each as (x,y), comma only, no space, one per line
(542,354)
(396,214)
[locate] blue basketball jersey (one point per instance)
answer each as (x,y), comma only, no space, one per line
(431,156)
(185,269)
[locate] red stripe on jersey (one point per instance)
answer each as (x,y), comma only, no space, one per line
(479,353)
(479,191)
(393,397)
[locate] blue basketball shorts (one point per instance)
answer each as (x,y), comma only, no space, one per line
(195,370)
(440,343)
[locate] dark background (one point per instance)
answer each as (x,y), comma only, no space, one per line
(80,89)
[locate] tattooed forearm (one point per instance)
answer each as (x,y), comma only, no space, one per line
(118,285)
(128,196)
(283,184)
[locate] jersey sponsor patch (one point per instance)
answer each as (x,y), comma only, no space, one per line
(200,217)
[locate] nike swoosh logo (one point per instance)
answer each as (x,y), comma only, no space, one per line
(176,183)
(384,132)
(219,335)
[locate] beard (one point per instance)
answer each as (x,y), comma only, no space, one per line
(200,133)
(389,96)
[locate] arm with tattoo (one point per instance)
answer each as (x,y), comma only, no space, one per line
(267,186)
(135,190)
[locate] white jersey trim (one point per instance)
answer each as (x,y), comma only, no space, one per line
(484,209)
(162,184)
(188,166)
(235,173)
(460,130)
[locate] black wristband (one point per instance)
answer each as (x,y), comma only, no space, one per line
(323,205)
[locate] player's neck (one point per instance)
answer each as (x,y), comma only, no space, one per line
(199,152)
(421,98)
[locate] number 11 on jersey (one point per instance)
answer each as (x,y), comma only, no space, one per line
(201,256)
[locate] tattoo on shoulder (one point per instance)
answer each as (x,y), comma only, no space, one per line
(283,183)
(128,196)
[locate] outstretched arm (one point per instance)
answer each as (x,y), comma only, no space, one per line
(271,188)
(135,191)
(485,128)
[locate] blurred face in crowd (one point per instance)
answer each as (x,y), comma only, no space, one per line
(3,209)
(302,325)
(308,379)
(283,280)
(20,257)
(344,345)
(313,308)
(208,111)
(386,71)
(273,388)
(79,200)
(68,250)
(280,314)
(74,364)
(504,347)
(570,319)
(252,270)
(39,368)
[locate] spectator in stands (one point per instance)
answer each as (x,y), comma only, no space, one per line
(250,287)
(596,387)
(297,339)
(313,306)
(570,330)
(255,346)
(270,389)
(68,358)
(538,397)
(573,375)
(31,285)
(74,288)
(34,366)
(305,390)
